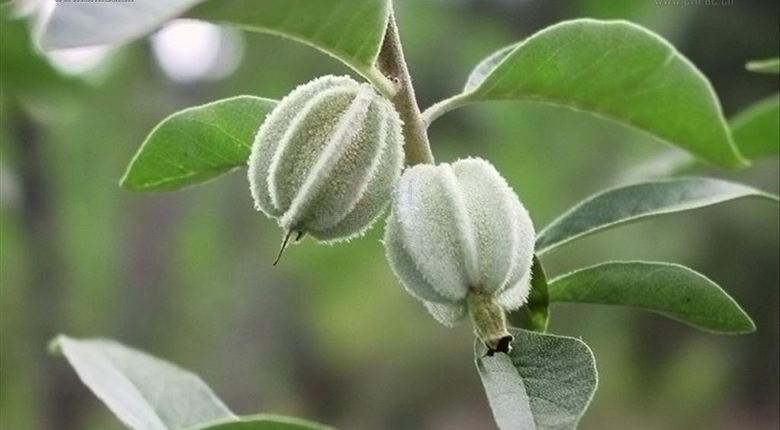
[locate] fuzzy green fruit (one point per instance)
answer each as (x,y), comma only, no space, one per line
(460,240)
(325,160)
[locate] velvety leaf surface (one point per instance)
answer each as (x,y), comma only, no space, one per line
(669,289)
(145,393)
(614,69)
(757,129)
(197,144)
(634,202)
(545,383)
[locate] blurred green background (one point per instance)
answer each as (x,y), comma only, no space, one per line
(329,334)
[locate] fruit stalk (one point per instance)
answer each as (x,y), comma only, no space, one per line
(489,321)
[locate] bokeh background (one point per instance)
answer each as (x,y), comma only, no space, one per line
(329,334)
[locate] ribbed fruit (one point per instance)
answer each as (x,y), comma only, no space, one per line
(325,160)
(460,240)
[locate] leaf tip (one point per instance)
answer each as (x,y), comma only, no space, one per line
(54,347)
(735,160)
(768,65)
(126,181)
(748,325)
(129,182)
(740,162)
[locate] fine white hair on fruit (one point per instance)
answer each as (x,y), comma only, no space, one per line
(456,230)
(324,161)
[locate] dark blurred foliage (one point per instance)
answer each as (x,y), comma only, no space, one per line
(329,334)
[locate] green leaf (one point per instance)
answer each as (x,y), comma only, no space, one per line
(635,202)
(197,144)
(757,129)
(614,69)
(768,65)
(669,289)
(545,383)
(535,315)
(349,30)
(265,422)
(145,393)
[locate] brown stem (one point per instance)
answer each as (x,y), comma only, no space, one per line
(391,62)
